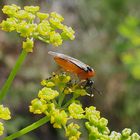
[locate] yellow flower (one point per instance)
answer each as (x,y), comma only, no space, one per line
(47,94)
(38,106)
(68,32)
(57,16)
(59,118)
(72,131)
(76,111)
(32,9)
(55,38)
(4,113)
(28,45)
(47,83)
(1,128)
(42,16)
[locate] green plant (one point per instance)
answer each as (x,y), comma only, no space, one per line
(32,25)
(129,29)
(52,99)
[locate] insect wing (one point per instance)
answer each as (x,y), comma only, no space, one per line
(78,63)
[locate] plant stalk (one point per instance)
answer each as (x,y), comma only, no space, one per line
(12,75)
(28,128)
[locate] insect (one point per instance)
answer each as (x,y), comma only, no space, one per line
(82,70)
(70,64)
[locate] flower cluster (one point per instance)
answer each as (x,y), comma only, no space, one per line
(32,24)
(124,135)
(5,115)
(96,125)
(52,101)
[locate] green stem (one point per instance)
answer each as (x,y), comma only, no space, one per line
(61,98)
(12,75)
(70,101)
(28,128)
(42,39)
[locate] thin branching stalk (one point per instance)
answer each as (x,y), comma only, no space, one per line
(28,128)
(12,75)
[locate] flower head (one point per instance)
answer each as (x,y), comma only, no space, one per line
(47,94)
(44,28)
(28,45)
(59,118)
(76,111)
(38,106)
(68,32)
(135,136)
(4,113)
(8,25)
(49,28)
(50,109)
(72,131)
(42,16)
(126,132)
(32,9)
(10,9)
(55,38)
(1,128)
(90,112)
(57,16)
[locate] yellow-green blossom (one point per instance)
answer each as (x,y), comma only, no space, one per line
(42,16)
(1,128)
(115,136)
(48,29)
(44,28)
(47,94)
(93,131)
(38,106)
(68,32)
(76,111)
(32,9)
(25,29)
(91,111)
(30,17)
(4,113)
(72,131)
(50,84)
(56,23)
(43,82)
(47,83)
(48,104)
(64,78)
(55,38)
(8,25)
(57,16)
(135,136)
(102,122)
(21,14)
(126,132)
(50,109)
(28,45)
(10,9)
(59,118)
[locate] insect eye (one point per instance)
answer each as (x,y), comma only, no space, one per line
(89,69)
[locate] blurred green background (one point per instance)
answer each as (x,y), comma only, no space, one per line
(107,38)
